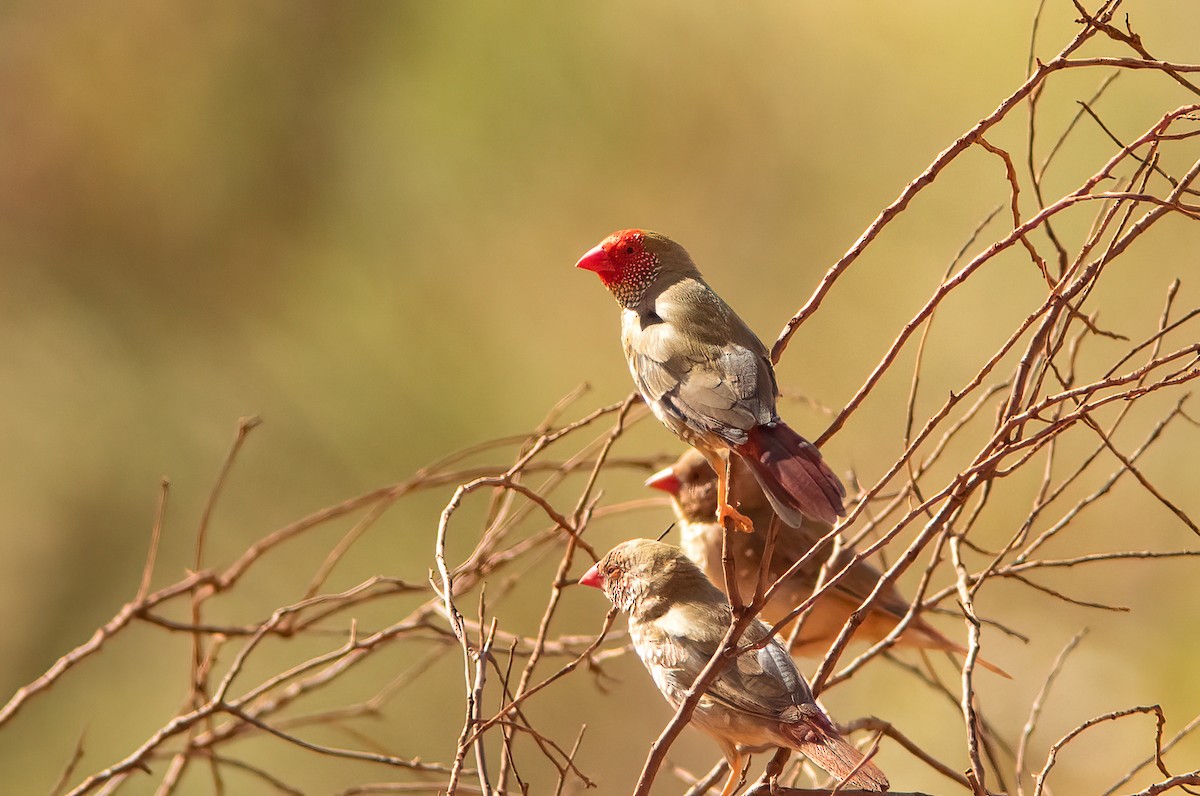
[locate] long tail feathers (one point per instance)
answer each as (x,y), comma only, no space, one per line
(991,667)
(792,474)
(834,754)
(922,634)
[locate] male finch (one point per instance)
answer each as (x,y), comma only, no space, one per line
(707,377)
(692,485)
(677,621)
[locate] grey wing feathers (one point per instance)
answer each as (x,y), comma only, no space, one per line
(667,652)
(711,391)
(762,682)
(779,665)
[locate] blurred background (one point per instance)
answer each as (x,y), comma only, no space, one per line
(358,221)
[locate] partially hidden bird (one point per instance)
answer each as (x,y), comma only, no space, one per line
(692,486)
(707,377)
(677,621)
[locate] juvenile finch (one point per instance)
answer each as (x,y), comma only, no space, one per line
(677,620)
(692,485)
(707,377)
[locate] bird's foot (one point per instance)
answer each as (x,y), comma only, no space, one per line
(740,521)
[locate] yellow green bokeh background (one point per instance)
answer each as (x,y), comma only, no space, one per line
(358,221)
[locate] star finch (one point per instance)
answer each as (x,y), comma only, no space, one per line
(677,621)
(707,377)
(692,485)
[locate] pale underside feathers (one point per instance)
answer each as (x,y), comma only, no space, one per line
(706,376)
(677,621)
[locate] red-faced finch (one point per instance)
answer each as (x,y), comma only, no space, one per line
(707,377)
(692,485)
(677,621)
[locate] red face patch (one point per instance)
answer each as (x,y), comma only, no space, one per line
(623,264)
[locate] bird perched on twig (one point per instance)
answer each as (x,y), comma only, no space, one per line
(677,621)
(707,377)
(692,485)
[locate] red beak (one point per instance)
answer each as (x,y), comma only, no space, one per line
(666,480)
(597,260)
(592,578)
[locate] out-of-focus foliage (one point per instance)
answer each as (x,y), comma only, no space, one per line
(358,220)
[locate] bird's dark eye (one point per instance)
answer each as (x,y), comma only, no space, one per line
(629,250)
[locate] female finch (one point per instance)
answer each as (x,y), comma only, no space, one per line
(677,620)
(707,377)
(692,485)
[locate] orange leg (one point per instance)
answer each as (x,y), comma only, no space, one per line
(724,510)
(736,763)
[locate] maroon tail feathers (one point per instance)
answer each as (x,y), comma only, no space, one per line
(792,474)
(820,742)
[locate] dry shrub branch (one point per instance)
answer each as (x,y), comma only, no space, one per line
(922,513)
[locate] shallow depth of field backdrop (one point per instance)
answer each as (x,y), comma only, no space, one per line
(359,220)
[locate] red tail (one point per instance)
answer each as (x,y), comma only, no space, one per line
(820,742)
(792,474)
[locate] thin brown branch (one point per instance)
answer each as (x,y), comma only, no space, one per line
(106,631)
(1035,709)
(925,179)
(1052,756)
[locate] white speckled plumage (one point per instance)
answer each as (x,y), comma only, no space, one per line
(706,376)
